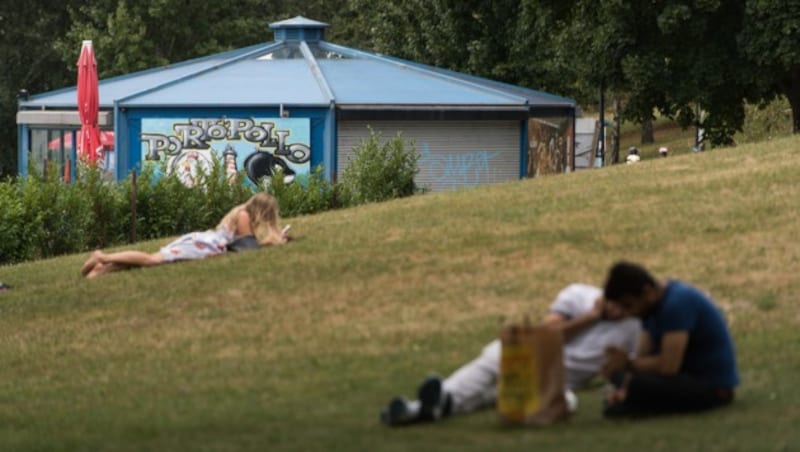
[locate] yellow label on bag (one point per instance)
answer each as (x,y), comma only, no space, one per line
(518,393)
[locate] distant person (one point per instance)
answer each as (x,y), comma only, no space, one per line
(589,325)
(663,151)
(633,155)
(259,217)
(685,361)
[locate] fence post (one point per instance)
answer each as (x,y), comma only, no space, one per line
(133,207)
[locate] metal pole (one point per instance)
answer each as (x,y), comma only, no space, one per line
(601,141)
(133,207)
(699,131)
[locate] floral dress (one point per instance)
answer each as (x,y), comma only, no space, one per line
(198,245)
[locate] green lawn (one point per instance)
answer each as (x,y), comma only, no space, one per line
(298,348)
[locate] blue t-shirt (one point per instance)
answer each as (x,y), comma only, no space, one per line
(710,352)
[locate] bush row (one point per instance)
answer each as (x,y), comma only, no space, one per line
(41,218)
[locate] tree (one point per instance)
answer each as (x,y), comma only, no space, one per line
(672,56)
(30,62)
(541,51)
(770,39)
(134,35)
(469,36)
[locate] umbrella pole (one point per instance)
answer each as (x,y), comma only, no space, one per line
(74,154)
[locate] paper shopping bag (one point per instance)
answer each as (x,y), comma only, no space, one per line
(531,385)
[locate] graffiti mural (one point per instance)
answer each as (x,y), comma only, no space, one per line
(549,146)
(457,168)
(258,146)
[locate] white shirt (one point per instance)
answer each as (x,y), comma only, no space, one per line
(586,351)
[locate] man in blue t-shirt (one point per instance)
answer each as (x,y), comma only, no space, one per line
(588,326)
(686,359)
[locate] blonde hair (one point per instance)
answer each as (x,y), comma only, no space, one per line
(264,218)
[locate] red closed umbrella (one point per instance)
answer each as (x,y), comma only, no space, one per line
(89,144)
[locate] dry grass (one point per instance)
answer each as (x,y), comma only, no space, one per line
(299,346)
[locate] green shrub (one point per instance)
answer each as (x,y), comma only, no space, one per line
(45,217)
(305,195)
(217,194)
(110,209)
(379,171)
(164,205)
(15,231)
(766,121)
(57,216)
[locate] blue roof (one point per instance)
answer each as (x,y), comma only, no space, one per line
(115,88)
(375,82)
(301,69)
(246,83)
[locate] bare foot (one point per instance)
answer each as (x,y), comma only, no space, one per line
(88,266)
(95,271)
(102,269)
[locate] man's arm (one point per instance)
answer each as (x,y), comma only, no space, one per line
(667,362)
(645,346)
(576,325)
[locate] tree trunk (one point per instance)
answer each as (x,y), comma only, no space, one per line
(615,133)
(793,94)
(790,86)
(647,132)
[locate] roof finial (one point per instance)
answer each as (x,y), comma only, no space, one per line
(299,28)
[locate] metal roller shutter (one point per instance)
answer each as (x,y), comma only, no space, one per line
(453,154)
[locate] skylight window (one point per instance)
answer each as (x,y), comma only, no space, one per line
(291,51)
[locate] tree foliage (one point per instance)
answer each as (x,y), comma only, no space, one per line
(770,40)
(28,29)
(505,40)
(679,57)
(135,35)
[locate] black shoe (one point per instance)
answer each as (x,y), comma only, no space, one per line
(399,411)
(435,402)
(621,410)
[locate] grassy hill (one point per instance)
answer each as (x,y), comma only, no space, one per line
(297,348)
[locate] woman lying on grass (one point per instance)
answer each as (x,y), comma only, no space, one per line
(259,217)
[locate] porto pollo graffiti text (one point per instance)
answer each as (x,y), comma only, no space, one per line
(197,134)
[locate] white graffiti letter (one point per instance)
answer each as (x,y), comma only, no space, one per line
(238,126)
(156,143)
(192,136)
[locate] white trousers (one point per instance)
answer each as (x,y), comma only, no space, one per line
(474,385)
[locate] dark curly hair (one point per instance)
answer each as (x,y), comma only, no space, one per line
(627,279)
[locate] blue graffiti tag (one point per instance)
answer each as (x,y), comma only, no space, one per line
(459,169)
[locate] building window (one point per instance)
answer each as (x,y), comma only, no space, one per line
(52,153)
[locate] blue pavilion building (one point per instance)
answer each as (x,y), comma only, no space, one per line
(299,102)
